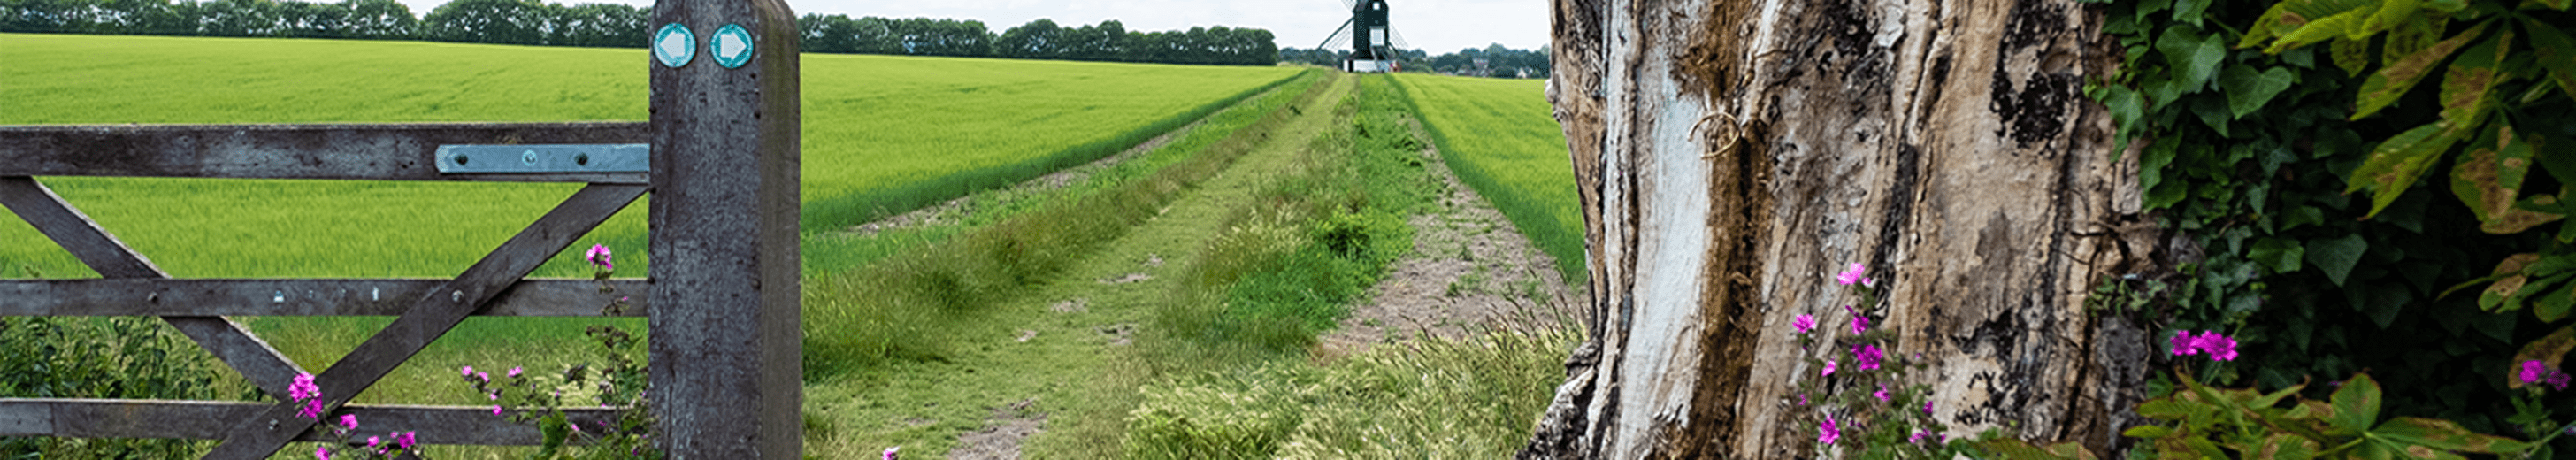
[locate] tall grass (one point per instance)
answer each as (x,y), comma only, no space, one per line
(1501,138)
(1316,239)
(1470,398)
(894,308)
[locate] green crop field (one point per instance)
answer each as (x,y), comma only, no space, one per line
(881,134)
(1503,140)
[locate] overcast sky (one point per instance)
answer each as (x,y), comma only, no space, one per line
(1436,26)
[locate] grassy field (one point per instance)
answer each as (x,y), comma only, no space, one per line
(1500,137)
(881,134)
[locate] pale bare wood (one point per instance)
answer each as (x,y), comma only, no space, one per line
(430,316)
(229,341)
(316,151)
(301,297)
(167,419)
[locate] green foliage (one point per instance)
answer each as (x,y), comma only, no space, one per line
(106,357)
(2223,423)
(1501,138)
(2250,152)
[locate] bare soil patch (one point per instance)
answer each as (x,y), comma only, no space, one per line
(1001,436)
(1470,271)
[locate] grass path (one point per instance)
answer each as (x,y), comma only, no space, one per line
(1061,352)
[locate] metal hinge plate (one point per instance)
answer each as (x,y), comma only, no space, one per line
(544,158)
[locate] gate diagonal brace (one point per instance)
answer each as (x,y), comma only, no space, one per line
(230,342)
(430,317)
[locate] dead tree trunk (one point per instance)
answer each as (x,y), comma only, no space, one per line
(1733,154)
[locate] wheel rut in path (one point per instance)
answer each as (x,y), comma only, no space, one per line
(1069,331)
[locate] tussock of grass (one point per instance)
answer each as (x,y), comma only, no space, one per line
(894,308)
(1501,138)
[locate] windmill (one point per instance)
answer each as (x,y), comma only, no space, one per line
(1375,46)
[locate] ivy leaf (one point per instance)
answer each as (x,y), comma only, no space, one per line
(2489,178)
(2398,162)
(2247,90)
(2555,51)
(2192,56)
(2442,435)
(2279,254)
(2190,11)
(2509,277)
(2393,81)
(2476,73)
(2336,256)
(2356,406)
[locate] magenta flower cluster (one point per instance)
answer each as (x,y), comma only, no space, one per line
(2219,347)
(305,392)
(599,256)
(2536,372)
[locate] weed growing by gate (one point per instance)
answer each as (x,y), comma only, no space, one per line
(107,357)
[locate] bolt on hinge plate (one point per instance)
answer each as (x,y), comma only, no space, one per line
(544,158)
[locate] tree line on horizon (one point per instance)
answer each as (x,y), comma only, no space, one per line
(534,22)
(1499,62)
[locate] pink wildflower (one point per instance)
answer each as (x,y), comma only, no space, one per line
(349,421)
(1927,408)
(1860,324)
(1829,367)
(322,452)
(514,371)
(1804,323)
(467,371)
(1881,394)
(1827,432)
(2183,344)
(599,256)
(2220,347)
(2534,372)
(1851,275)
(1918,436)
(496,410)
(1867,356)
(1802,399)
(486,378)
(889,453)
(373,441)
(303,388)
(312,409)
(404,439)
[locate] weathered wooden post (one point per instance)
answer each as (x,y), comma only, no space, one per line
(726,378)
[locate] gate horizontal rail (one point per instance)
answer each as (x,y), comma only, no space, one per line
(182,419)
(303,297)
(401,151)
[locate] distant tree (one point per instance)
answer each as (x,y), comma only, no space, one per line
(238,18)
(601,25)
(379,19)
(313,20)
(1039,39)
(518,22)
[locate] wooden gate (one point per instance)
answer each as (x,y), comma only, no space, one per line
(723,293)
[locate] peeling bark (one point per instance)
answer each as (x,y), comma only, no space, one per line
(1732,154)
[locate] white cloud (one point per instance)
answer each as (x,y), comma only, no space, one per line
(1437,26)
